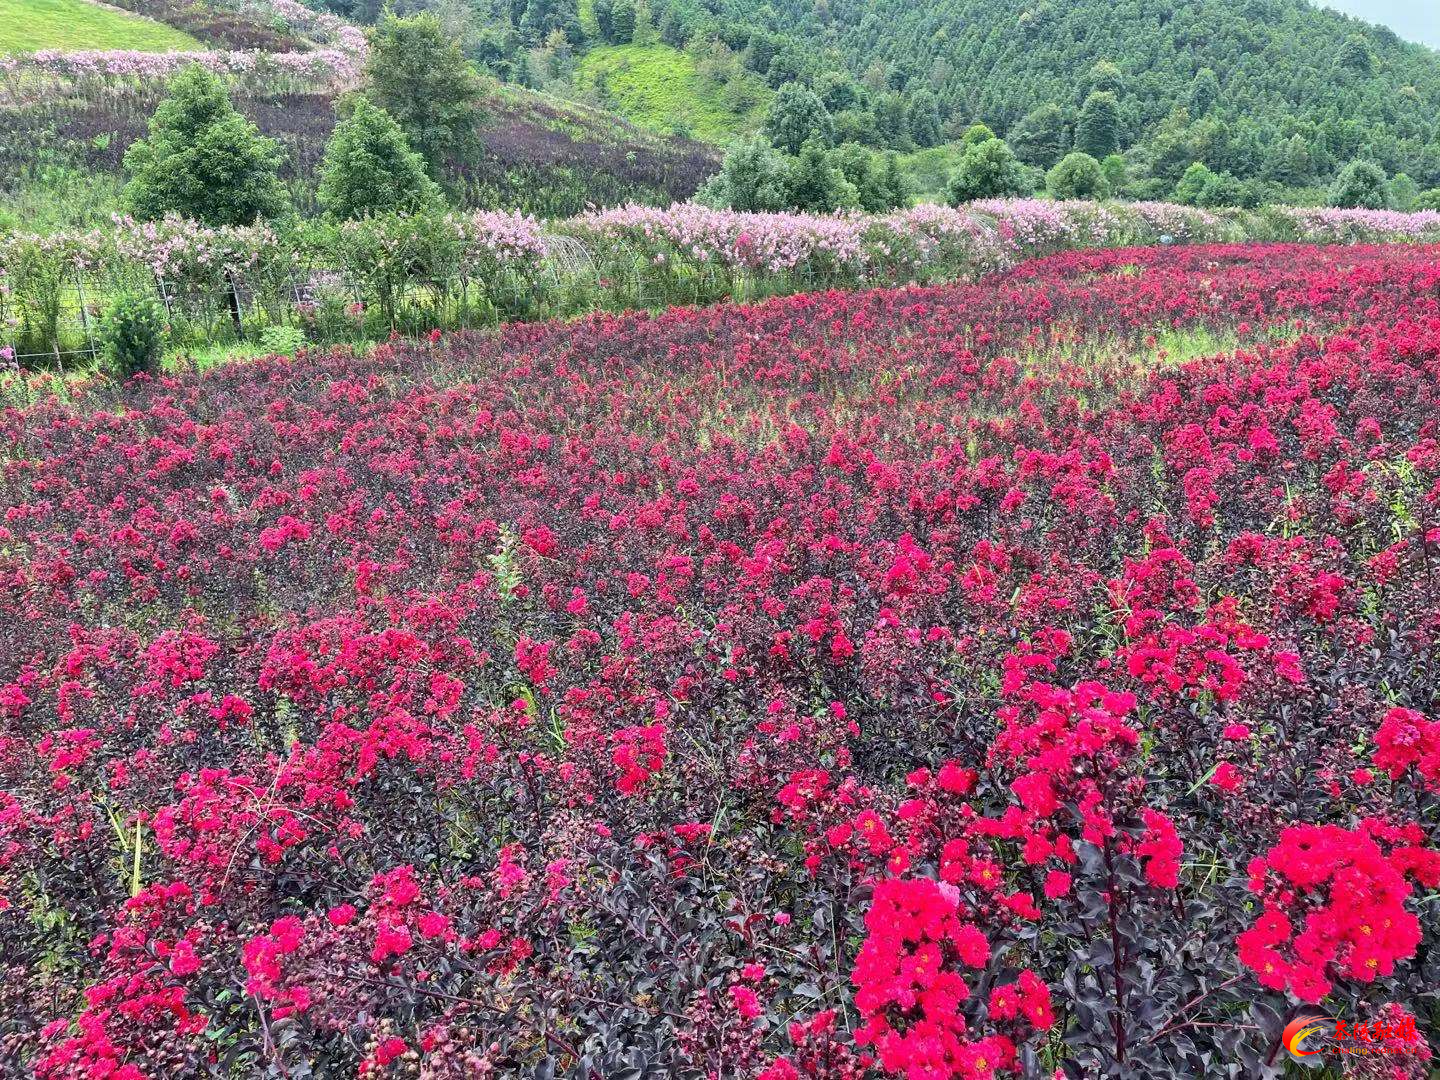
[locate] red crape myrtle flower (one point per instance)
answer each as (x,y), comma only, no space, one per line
(1334,907)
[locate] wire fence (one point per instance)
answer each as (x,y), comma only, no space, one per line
(58,324)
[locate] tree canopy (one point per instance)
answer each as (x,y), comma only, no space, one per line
(203,160)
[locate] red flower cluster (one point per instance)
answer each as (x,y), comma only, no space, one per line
(1405,740)
(1334,908)
(910,986)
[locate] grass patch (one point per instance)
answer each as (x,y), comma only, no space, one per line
(659,87)
(30,25)
(51,198)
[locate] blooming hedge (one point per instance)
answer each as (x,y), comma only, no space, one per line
(413,274)
(920,682)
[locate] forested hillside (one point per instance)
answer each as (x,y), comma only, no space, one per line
(1277,94)
(1265,69)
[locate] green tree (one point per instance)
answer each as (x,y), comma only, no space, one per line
(420,77)
(1041,137)
(203,160)
(1116,173)
(816,185)
(891,123)
(796,117)
(752,177)
(1361,184)
(1202,186)
(1077,176)
(987,170)
(924,119)
(875,190)
(1106,78)
(1403,192)
(1355,56)
(369,167)
(1097,132)
(1204,92)
(1192,183)
(840,92)
(1428,200)
(645,32)
(1289,162)
(543,16)
(604,12)
(622,22)
(897,190)
(976,134)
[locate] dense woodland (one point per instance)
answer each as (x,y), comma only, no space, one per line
(1276,94)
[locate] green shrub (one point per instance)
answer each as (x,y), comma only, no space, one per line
(989,169)
(282,340)
(1361,184)
(204,160)
(132,336)
(1078,176)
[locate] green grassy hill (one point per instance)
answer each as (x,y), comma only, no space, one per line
(31,25)
(662,89)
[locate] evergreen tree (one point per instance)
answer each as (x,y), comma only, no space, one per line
(924,120)
(420,77)
(897,191)
(1289,162)
(891,122)
(987,170)
(203,160)
(1355,56)
(543,16)
(622,22)
(604,12)
(1097,132)
(1077,176)
(369,167)
(645,33)
(1204,91)
(797,117)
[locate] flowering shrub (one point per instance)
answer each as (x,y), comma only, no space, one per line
(1011,678)
(1352,900)
(413,274)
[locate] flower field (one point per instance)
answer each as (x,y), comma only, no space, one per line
(1033,677)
